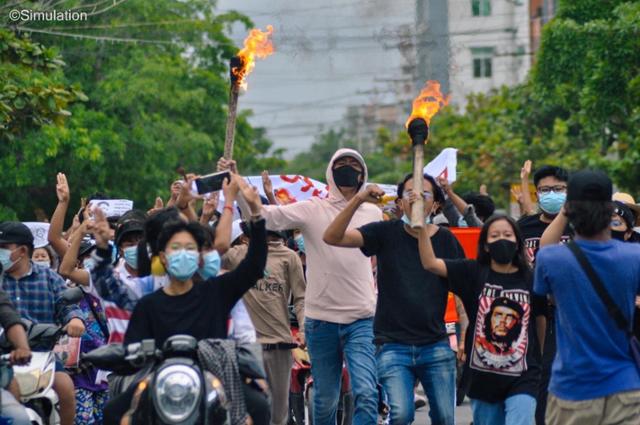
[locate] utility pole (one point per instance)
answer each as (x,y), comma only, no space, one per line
(432,43)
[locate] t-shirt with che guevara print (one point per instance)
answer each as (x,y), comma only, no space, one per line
(502,349)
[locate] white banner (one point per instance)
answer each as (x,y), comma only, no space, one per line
(444,165)
(40,233)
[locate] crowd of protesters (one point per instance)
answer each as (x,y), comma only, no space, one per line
(546,314)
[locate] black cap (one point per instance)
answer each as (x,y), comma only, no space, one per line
(625,213)
(589,185)
(129,226)
(15,232)
(86,246)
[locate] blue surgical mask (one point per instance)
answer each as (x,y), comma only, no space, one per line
(211,265)
(299,240)
(182,264)
(42,263)
(89,263)
(551,202)
(130,255)
(406,220)
(5,259)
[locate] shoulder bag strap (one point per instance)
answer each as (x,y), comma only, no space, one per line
(612,308)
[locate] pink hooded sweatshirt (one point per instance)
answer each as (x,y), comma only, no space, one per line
(340,286)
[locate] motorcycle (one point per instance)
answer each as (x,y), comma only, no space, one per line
(35,380)
(175,391)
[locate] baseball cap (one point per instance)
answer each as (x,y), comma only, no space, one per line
(625,213)
(628,200)
(129,226)
(86,246)
(589,185)
(15,232)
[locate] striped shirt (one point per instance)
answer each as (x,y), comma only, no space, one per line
(37,296)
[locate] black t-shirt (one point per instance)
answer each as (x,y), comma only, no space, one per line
(203,312)
(411,300)
(503,353)
(532,229)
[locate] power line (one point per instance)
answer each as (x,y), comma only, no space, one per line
(92,37)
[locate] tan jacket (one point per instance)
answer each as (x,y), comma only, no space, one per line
(268,301)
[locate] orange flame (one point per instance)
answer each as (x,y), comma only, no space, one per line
(428,103)
(257,44)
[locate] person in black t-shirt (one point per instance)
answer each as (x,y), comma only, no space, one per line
(503,352)
(409,325)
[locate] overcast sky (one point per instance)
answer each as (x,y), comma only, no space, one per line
(329,55)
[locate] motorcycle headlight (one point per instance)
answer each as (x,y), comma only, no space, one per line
(177,392)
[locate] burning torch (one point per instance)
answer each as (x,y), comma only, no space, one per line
(425,106)
(258,44)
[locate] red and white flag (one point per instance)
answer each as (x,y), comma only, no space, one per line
(444,165)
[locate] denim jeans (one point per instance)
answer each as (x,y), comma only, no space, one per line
(519,409)
(328,344)
(434,365)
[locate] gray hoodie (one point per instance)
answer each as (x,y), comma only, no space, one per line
(340,286)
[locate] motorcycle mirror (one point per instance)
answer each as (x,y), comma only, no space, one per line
(72,295)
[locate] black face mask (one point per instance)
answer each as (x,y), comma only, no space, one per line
(502,251)
(618,234)
(346,176)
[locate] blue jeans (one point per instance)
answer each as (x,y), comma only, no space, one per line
(434,365)
(519,409)
(327,343)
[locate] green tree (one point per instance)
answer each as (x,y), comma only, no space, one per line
(152,106)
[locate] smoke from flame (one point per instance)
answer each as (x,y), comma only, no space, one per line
(428,103)
(258,44)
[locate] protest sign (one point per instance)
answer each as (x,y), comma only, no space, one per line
(112,207)
(40,232)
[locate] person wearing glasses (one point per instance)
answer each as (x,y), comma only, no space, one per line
(551,188)
(409,329)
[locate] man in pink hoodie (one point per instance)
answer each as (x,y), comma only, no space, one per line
(340,298)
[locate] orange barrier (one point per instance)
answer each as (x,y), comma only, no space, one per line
(468,238)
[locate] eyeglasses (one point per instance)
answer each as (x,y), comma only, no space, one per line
(425,195)
(561,188)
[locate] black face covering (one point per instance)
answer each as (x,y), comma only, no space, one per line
(502,251)
(618,234)
(346,176)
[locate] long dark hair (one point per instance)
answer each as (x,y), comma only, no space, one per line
(519,260)
(152,228)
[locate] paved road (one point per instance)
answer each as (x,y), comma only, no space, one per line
(463,415)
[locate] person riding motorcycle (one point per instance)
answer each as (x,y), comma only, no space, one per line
(183,307)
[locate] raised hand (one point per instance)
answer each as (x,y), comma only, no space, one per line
(210,205)
(185,196)
(267,185)
(100,228)
(62,188)
(227,164)
(230,189)
(249,193)
(525,171)
(372,193)
(444,184)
